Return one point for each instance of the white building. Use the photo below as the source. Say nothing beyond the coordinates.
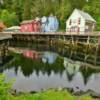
(80, 22)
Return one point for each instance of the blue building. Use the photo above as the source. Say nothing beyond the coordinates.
(50, 24)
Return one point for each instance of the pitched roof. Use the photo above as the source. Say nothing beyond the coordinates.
(85, 15)
(27, 21)
(14, 27)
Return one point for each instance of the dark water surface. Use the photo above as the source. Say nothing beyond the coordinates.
(52, 70)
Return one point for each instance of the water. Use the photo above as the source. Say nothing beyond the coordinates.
(52, 70)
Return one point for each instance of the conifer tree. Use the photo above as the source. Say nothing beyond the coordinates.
(93, 8)
(27, 10)
(79, 4)
(8, 4)
(17, 9)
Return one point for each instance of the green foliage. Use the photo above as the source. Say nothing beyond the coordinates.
(79, 4)
(16, 7)
(4, 88)
(7, 4)
(27, 10)
(8, 18)
(93, 7)
(64, 12)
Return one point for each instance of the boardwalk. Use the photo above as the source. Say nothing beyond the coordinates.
(86, 37)
(52, 33)
(5, 36)
(31, 36)
(85, 47)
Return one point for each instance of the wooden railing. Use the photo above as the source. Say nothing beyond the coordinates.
(59, 33)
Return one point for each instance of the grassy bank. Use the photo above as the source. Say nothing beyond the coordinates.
(51, 95)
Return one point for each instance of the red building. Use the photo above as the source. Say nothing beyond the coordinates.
(31, 26)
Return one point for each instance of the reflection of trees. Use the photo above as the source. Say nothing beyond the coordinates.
(28, 66)
(87, 72)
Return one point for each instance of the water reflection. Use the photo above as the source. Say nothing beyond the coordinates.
(51, 71)
(29, 66)
(71, 67)
(49, 57)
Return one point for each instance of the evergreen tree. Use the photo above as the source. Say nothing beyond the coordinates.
(26, 10)
(64, 12)
(8, 4)
(8, 18)
(79, 4)
(93, 8)
(17, 9)
(1, 4)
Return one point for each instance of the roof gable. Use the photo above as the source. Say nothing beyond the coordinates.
(85, 15)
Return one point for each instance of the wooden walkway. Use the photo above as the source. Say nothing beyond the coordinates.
(86, 46)
(30, 36)
(53, 33)
(5, 36)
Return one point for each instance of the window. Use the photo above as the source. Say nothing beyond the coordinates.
(79, 21)
(70, 22)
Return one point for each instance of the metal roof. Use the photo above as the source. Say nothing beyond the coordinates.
(14, 27)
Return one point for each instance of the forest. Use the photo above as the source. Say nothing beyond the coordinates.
(12, 12)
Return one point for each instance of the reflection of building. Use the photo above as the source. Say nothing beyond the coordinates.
(80, 22)
(49, 57)
(50, 24)
(71, 66)
(31, 54)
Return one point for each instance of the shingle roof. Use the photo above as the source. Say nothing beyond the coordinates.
(85, 15)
